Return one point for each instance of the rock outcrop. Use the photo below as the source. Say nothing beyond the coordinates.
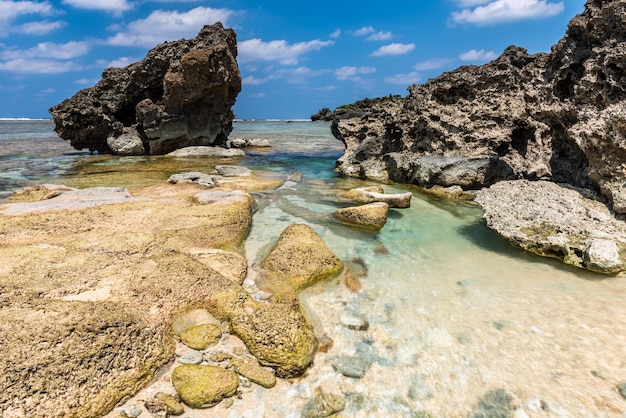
(324, 115)
(559, 117)
(181, 94)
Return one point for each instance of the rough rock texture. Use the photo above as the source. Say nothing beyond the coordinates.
(278, 335)
(369, 216)
(377, 194)
(181, 94)
(201, 337)
(324, 114)
(554, 221)
(299, 259)
(251, 369)
(559, 116)
(201, 386)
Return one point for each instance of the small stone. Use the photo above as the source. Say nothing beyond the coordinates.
(240, 351)
(228, 403)
(369, 216)
(495, 403)
(202, 386)
(349, 366)
(220, 356)
(191, 357)
(261, 295)
(163, 402)
(201, 337)
(133, 411)
(251, 369)
(621, 388)
(323, 405)
(233, 171)
(354, 322)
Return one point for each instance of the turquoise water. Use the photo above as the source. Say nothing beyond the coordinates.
(453, 310)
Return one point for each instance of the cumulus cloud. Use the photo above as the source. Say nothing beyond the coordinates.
(161, 26)
(478, 55)
(336, 33)
(45, 58)
(121, 62)
(352, 73)
(501, 11)
(39, 28)
(393, 49)
(365, 30)
(380, 36)
(432, 64)
(12, 10)
(404, 79)
(115, 6)
(279, 50)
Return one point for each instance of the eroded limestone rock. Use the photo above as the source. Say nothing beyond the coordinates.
(202, 386)
(370, 216)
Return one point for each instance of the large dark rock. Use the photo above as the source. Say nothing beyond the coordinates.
(181, 94)
(559, 116)
(324, 114)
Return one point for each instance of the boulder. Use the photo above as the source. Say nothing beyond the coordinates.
(233, 171)
(202, 386)
(369, 216)
(248, 143)
(558, 117)
(299, 259)
(181, 94)
(278, 335)
(324, 115)
(250, 368)
(554, 221)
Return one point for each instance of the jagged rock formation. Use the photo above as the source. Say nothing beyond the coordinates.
(559, 116)
(324, 114)
(181, 94)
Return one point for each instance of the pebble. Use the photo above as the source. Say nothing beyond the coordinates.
(133, 411)
(349, 366)
(354, 322)
(191, 357)
(261, 295)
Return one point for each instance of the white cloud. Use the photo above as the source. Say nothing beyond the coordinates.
(393, 49)
(336, 33)
(365, 30)
(115, 6)
(404, 79)
(39, 28)
(38, 66)
(10, 10)
(86, 81)
(478, 55)
(432, 64)
(380, 36)
(470, 3)
(500, 11)
(280, 50)
(255, 81)
(52, 50)
(352, 73)
(121, 62)
(161, 26)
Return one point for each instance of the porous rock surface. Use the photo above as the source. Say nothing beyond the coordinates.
(181, 94)
(554, 221)
(559, 116)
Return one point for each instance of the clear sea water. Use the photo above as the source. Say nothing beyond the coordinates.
(454, 311)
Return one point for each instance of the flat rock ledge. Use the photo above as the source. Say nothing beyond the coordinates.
(554, 220)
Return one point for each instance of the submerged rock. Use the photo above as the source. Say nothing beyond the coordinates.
(202, 386)
(495, 404)
(369, 216)
(554, 221)
(181, 94)
(372, 194)
(559, 117)
(323, 405)
(299, 259)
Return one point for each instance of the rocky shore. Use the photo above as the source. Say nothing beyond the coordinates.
(556, 117)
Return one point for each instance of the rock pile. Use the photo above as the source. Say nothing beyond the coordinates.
(181, 94)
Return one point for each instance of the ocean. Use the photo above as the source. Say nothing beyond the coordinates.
(454, 311)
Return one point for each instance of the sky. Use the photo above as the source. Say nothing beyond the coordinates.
(295, 57)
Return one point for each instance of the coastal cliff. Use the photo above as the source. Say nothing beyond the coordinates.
(559, 117)
(181, 94)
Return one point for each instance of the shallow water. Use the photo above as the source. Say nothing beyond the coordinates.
(453, 310)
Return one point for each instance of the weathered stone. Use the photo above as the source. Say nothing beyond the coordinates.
(299, 259)
(555, 221)
(251, 369)
(248, 143)
(223, 198)
(350, 366)
(206, 151)
(181, 94)
(373, 194)
(369, 216)
(324, 114)
(229, 264)
(278, 335)
(559, 117)
(450, 193)
(232, 171)
(165, 403)
(202, 179)
(201, 337)
(323, 405)
(39, 192)
(203, 386)
(495, 404)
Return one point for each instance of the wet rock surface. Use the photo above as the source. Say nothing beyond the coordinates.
(181, 94)
(557, 116)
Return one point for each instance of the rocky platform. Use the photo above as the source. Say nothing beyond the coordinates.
(181, 94)
(559, 117)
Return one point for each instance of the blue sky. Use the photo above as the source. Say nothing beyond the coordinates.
(295, 57)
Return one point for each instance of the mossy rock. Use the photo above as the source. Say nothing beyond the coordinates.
(299, 259)
(278, 335)
(252, 370)
(370, 216)
(201, 337)
(163, 402)
(202, 386)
